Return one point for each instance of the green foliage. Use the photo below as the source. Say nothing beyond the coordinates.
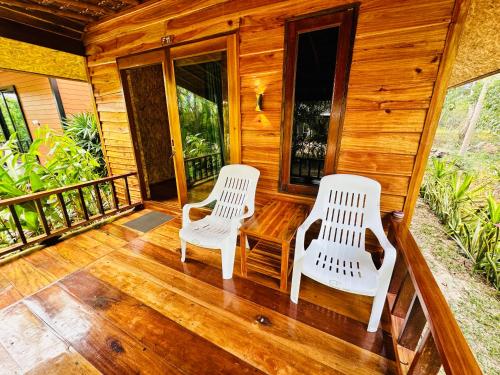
(22, 173)
(195, 146)
(470, 218)
(82, 128)
(460, 99)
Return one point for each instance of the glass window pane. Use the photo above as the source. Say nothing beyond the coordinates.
(203, 113)
(14, 118)
(314, 77)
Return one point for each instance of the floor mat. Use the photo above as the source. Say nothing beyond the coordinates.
(148, 221)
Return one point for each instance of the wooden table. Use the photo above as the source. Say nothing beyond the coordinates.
(274, 226)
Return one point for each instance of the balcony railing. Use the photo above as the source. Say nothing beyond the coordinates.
(307, 169)
(202, 168)
(73, 203)
(425, 332)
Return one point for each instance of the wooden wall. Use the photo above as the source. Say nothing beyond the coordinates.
(75, 95)
(397, 53)
(36, 98)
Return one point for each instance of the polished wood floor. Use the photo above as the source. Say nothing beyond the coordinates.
(116, 301)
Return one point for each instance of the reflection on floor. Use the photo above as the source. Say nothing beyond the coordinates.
(115, 300)
(199, 192)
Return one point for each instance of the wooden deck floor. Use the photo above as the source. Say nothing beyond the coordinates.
(115, 301)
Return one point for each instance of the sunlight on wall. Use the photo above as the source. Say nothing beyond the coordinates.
(27, 57)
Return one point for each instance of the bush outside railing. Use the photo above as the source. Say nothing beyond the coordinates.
(470, 218)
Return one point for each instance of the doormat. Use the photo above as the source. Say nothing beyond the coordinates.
(148, 221)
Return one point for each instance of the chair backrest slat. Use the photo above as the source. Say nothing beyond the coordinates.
(235, 191)
(347, 203)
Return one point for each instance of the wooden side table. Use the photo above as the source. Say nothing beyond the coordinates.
(274, 226)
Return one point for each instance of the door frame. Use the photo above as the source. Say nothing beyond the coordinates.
(166, 57)
(138, 61)
(228, 43)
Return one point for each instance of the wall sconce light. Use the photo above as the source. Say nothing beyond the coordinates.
(258, 104)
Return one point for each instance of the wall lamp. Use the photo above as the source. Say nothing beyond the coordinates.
(258, 103)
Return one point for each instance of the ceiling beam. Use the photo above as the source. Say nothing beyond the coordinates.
(85, 6)
(72, 24)
(39, 23)
(47, 9)
(23, 33)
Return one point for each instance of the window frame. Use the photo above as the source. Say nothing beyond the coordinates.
(12, 88)
(344, 18)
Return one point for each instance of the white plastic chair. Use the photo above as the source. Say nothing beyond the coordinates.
(234, 192)
(347, 205)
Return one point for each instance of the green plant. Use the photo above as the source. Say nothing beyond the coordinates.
(22, 173)
(469, 220)
(83, 129)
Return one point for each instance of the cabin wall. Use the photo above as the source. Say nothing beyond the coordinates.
(75, 96)
(397, 53)
(37, 100)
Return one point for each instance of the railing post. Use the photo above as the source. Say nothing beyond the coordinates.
(84, 207)
(413, 325)
(113, 193)
(400, 268)
(404, 297)
(127, 191)
(426, 360)
(67, 220)
(18, 224)
(99, 199)
(45, 224)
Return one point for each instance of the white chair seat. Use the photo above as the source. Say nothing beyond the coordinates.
(208, 232)
(341, 268)
(234, 197)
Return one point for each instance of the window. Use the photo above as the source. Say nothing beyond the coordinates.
(12, 119)
(318, 53)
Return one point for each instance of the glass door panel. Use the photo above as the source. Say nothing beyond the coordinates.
(202, 101)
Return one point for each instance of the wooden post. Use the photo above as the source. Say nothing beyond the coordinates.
(127, 191)
(18, 224)
(45, 224)
(113, 193)
(426, 360)
(67, 220)
(84, 207)
(413, 325)
(99, 199)
(404, 297)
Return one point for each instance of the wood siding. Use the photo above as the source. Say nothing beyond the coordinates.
(75, 95)
(36, 99)
(397, 52)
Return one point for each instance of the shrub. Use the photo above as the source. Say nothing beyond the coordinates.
(21, 173)
(471, 219)
(82, 128)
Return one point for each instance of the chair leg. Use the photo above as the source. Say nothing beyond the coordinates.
(377, 307)
(296, 277)
(227, 253)
(183, 250)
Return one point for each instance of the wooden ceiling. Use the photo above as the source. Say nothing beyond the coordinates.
(57, 24)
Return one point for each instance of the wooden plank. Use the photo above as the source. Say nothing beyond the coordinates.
(35, 348)
(313, 313)
(404, 297)
(8, 293)
(413, 326)
(378, 163)
(46, 262)
(206, 305)
(455, 353)
(426, 360)
(104, 345)
(178, 346)
(395, 143)
(25, 277)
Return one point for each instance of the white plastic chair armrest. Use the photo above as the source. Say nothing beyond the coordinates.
(389, 251)
(185, 210)
(301, 233)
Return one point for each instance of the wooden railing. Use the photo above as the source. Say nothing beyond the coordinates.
(201, 168)
(425, 332)
(77, 199)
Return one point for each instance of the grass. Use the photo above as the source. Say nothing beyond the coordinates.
(475, 304)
